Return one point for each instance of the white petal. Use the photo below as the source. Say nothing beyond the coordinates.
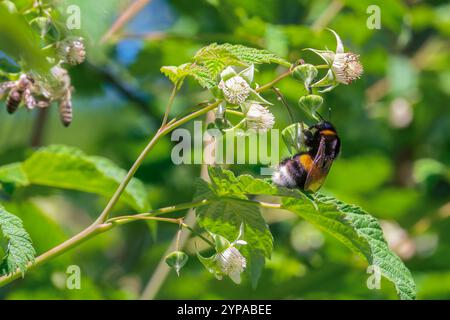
(236, 277)
(228, 73)
(248, 73)
(241, 231)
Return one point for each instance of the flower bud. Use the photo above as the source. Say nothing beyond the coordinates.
(9, 6)
(176, 260)
(41, 24)
(311, 103)
(305, 73)
(293, 137)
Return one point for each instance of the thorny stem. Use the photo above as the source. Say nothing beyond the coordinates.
(100, 225)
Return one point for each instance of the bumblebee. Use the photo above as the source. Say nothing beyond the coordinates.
(308, 170)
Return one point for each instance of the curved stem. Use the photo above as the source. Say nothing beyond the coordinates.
(154, 213)
(274, 81)
(161, 133)
(198, 234)
(169, 104)
(99, 226)
(236, 113)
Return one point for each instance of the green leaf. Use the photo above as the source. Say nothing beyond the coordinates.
(13, 173)
(224, 216)
(361, 233)
(69, 168)
(228, 54)
(211, 60)
(19, 251)
(199, 73)
(357, 229)
(176, 74)
(45, 231)
(20, 42)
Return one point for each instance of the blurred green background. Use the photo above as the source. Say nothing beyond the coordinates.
(393, 123)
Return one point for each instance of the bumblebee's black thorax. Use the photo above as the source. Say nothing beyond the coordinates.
(319, 131)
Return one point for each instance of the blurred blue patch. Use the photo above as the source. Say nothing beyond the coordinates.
(127, 50)
(157, 15)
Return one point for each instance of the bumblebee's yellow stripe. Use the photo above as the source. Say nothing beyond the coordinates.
(306, 161)
(328, 132)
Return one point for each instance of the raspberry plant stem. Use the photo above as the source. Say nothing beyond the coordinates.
(101, 225)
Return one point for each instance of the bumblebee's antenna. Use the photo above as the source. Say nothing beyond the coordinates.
(284, 102)
(320, 116)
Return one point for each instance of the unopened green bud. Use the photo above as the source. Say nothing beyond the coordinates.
(176, 260)
(220, 123)
(305, 73)
(9, 6)
(42, 25)
(311, 103)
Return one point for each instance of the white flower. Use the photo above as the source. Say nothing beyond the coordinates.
(231, 263)
(346, 67)
(228, 260)
(73, 51)
(259, 118)
(235, 90)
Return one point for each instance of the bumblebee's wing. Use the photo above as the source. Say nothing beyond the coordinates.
(319, 170)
